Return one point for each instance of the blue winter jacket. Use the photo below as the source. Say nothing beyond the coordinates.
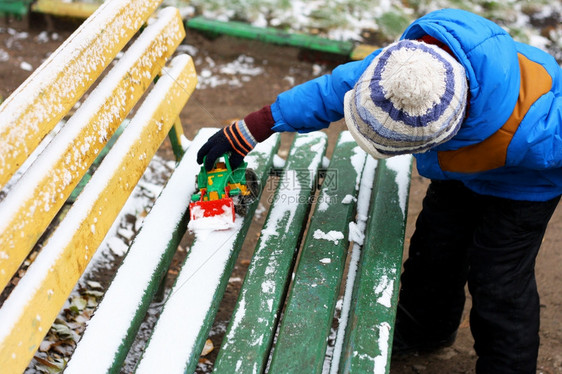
(510, 144)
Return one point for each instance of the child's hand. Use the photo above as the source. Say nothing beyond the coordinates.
(229, 140)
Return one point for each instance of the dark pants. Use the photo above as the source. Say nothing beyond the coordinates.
(491, 243)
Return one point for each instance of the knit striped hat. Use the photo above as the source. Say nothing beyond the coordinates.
(411, 98)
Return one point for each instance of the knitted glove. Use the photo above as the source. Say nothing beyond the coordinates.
(234, 140)
(237, 139)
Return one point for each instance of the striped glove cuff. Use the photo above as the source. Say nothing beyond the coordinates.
(240, 138)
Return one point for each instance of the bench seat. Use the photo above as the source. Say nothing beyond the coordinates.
(297, 275)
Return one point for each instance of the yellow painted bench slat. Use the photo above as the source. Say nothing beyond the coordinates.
(361, 51)
(39, 194)
(66, 9)
(42, 292)
(52, 90)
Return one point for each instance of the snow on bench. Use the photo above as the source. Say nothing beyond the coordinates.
(371, 313)
(189, 311)
(111, 330)
(308, 315)
(263, 331)
(251, 330)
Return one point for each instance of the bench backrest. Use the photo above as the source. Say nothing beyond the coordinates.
(75, 9)
(33, 111)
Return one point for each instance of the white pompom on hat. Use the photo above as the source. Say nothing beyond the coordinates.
(411, 98)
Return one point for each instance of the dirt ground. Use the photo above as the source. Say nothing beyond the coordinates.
(283, 67)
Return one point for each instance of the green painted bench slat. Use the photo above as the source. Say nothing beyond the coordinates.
(189, 311)
(18, 8)
(270, 35)
(368, 342)
(305, 327)
(250, 333)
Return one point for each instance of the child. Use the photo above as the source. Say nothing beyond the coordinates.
(482, 115)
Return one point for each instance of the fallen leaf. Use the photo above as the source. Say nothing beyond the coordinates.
(50, 366)
(33, 256)
(93, 285)
(94, 293)
(208, 348)
(64, 332)
(45, 346)
(78, 304)
(45, 362)
(63, 349)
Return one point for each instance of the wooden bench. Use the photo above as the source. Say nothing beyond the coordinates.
(332, 229)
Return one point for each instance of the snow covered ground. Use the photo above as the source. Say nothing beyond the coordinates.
(350, 19)
(356, 19)
(538, 23)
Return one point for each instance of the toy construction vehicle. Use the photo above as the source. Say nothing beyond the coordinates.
(223, 192)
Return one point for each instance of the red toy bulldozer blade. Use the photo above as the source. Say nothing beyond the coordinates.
(212, 208)
(210, 214)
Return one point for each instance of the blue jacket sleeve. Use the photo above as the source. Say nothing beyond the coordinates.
(313, 105)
